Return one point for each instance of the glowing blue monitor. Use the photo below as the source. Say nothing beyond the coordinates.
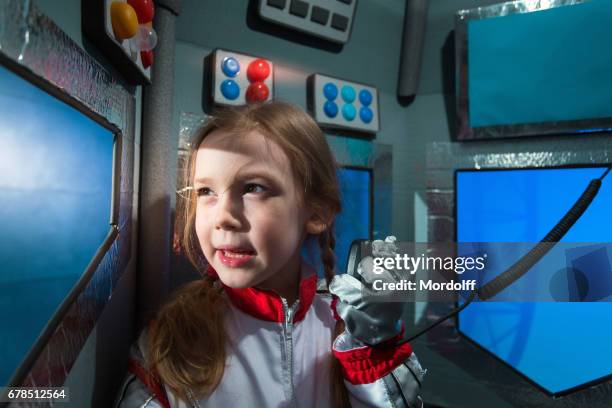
(354, 222)
(558, 346)
(56, 193)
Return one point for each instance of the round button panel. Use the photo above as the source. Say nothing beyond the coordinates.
(230, 66)
(230, 89)
(346, 104)
(242, 79)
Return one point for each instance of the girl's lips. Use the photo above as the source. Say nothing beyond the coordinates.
(234, 259)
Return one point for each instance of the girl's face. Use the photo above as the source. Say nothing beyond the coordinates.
(250, 218)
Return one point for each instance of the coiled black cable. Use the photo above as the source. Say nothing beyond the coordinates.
(528, 260)
(546, 244)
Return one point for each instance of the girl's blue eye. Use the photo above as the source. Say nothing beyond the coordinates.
(254, 188)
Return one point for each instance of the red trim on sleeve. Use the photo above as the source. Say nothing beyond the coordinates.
(393, 340)
(367, 364)
(149, 381)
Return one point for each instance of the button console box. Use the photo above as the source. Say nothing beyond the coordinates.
(238, 79)
(328, 19)
(339, 104)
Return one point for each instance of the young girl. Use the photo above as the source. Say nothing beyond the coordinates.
(256, 331)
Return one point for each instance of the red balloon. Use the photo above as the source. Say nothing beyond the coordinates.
(257, 92)
(258, 70)
(147, 58)
(145, 10)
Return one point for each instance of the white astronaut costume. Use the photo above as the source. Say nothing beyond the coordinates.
(280, 356)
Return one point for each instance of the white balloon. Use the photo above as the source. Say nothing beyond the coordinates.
(145, 39)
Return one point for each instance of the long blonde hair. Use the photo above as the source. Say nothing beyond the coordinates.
(186, 339)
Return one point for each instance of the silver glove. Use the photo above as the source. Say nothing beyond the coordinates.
(367, 320)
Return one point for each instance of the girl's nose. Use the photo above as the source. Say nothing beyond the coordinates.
(227, 216)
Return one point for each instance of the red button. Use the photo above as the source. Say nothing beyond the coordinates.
(257, 92)
(145, 10)
(146, 57)
(258, 70)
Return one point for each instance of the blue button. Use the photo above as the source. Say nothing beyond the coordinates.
(330, 108)
(365, 97)
(230, 89)
(349, 112)
(348, 93)
(230, 66)
(366, 114)
(330, 91)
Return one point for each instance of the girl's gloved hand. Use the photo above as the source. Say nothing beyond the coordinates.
(367, 319)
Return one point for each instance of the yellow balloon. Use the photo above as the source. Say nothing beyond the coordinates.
(123, 20)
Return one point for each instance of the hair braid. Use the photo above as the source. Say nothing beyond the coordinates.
(327, 242)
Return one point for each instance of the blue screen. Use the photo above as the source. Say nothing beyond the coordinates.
(559, 346)
(353, 222)
(56, 170)
(533, 67)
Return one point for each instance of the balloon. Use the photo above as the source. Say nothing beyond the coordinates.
(123, 20)
(145, 39)
(145, 10)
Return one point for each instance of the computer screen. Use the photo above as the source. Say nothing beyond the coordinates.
(355, 219)
(56, 193)
(559, 346)
(515, 63)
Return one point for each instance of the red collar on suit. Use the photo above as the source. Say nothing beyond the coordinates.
(266, 304)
